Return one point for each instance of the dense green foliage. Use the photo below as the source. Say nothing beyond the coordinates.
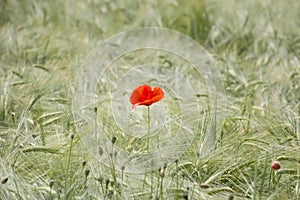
(256, 45)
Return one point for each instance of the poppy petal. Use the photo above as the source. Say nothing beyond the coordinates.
(145, 95)
(137, 95)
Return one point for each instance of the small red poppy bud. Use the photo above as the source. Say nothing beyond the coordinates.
(276, 165)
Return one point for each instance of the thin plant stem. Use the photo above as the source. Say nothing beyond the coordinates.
(270, 180)
(148, 148)
(161, 188)
(15, 182)
(69, 161)
(113, 158)
(264, 176)
(148, 135)
(42, 133)
(122, 175)
(255, 184)
(95, 124)
(51, 186)
(149, 129)
(113, 171)
(177, 183)
(144, 181)
(50, 193)
(158, 182)
(122, 182)
(193, 190)
(278, 179)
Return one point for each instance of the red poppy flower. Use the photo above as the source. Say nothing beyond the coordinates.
(276, 165)
(145, 95)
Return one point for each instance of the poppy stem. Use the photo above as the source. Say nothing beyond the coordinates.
(148, 144)
(149, 123)
(148, 147)
(148, 137)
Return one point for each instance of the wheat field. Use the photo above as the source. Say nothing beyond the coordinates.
(256, 48)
